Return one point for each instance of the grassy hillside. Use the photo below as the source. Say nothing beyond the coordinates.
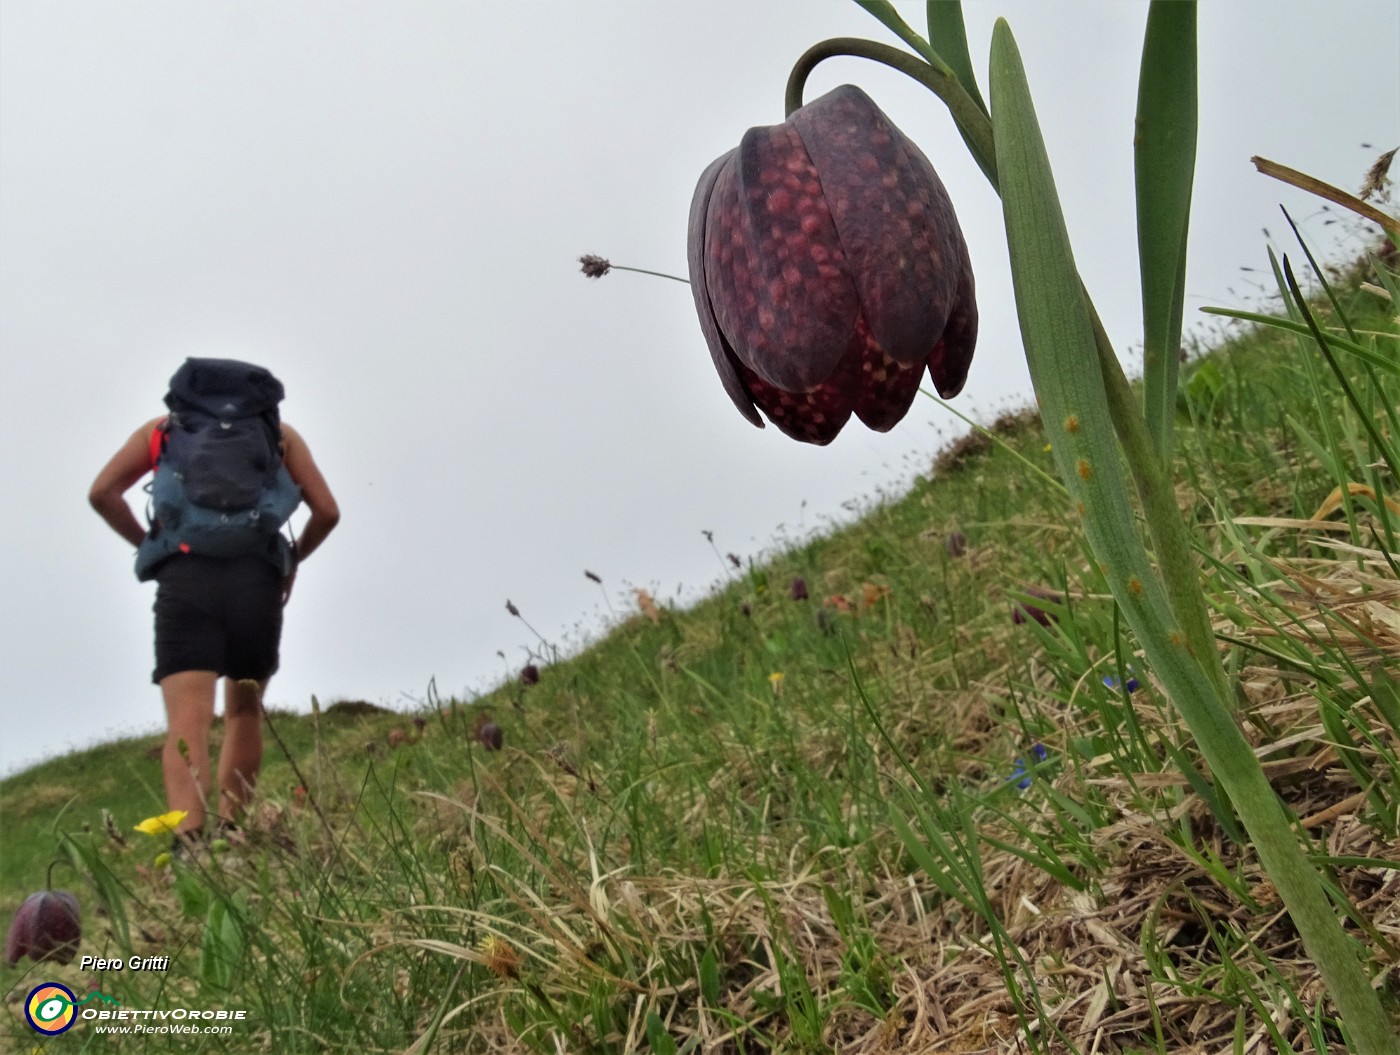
(850, 802)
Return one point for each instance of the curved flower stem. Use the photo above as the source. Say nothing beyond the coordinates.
(48, 874)
(971, 121)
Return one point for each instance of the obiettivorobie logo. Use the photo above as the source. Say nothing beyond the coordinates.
(51, 1008)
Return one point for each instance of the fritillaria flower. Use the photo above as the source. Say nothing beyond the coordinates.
(489, 736)
(829, 270)
(956, 544)
(48, 926)
(1023, 611)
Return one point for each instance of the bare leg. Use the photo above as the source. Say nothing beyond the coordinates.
(189, 711)
(241, 756)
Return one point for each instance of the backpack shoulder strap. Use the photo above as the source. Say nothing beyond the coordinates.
(157, 446)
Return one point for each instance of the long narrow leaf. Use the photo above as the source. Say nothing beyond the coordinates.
(948, 36)
(1374, 358)
(1362, 415)
(1057, 329)
(1165, 164)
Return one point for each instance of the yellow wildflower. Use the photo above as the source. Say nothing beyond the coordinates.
(163, 824)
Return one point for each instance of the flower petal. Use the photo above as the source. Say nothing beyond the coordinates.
(814, 416)
(900, 236)
(720, 352)
(887, 387)
(163, 824)
(777, 277)
(952, 355)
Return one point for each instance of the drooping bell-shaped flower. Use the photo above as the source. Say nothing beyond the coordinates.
(48, 926)
(828, 270)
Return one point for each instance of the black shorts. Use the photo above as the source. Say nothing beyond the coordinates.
(218, 613)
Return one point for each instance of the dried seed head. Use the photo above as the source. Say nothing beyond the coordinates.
(501, 958)
(594, 266)
(1378, 177)
(799, 589)
(512, 609)
(529, 674)
(955, 543)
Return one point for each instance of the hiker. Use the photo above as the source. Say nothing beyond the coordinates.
(228, 475)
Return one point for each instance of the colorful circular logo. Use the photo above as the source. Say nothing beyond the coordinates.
(49, 1008)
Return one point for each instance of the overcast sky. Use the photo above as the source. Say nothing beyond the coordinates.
(384, 203)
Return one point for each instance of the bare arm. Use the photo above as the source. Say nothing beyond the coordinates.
(325, 514)
(126, 467)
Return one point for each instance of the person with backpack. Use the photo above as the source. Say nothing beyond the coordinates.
(228, 474)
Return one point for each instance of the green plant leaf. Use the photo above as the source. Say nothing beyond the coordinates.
(1164, 150)
(1333, 340)
(885, 12)
(709, 977)
(660, 1041)
(1057, 328)
(947, 35)
(87, 860)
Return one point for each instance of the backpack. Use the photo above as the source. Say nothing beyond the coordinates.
(220, 487)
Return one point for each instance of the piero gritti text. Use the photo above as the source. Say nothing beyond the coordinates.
(134, 963)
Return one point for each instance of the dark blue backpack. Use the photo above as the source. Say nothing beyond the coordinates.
(220, 488)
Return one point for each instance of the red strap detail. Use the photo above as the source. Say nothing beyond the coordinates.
(184, 547)
(157, 446)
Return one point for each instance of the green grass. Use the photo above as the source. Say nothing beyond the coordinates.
(775, 825)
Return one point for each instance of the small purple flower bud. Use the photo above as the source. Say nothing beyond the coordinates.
(529, 674)
(799, 589)
(48, 926)
(490, 736)
(955, 543)
(829, 270)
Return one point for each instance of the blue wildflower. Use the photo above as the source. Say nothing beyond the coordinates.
(1111, 682)
(1021, 777)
